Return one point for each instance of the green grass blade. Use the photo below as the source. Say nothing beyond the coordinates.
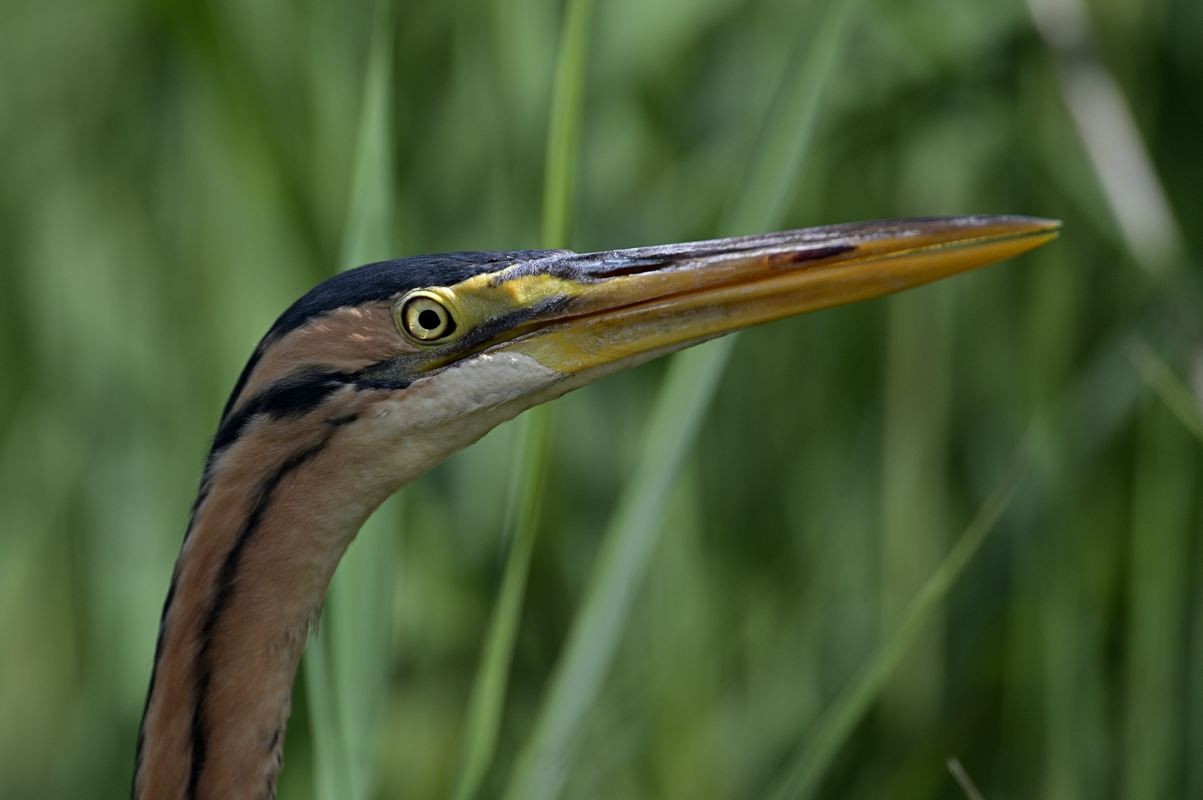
(532, 460)
(914, 531)
(330, 760)
(626, 550)
(1176, 395)
(688, 388)
(564, 126)
(346, 667)
(836, 723)
(1159, 600)
(760, 200)
(488, 691)
(1159, 583)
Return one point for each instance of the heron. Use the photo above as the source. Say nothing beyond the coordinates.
(380, 373)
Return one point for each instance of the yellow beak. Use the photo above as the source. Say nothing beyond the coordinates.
(612, 309)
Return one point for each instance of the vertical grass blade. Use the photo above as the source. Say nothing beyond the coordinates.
(346, 667)
(564, 125)
(331, 763)
(1159, 597)
(760, 199)
(680, 406)
(1193, 700)
(625, 552)
(531, 464)
(488, 690)
(811, 761)
(913, 534)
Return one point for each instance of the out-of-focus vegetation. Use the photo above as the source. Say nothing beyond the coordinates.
(176, 172)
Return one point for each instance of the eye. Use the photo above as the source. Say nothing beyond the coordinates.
(425, 319)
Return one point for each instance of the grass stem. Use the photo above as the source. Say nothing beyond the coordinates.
(483, 721)
(839, 719)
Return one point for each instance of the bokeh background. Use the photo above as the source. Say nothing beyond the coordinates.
(176, 172)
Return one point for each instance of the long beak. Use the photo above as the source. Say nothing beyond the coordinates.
(620, 307)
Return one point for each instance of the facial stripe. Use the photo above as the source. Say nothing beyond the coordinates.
(295, 396)
(243, 377)
(490, 328)
(289, 397)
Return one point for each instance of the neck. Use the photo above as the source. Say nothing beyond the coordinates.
(293, 476)
(271, 522)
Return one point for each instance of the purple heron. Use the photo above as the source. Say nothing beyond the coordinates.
(380, 373)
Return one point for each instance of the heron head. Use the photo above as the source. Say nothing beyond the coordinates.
(411, 360)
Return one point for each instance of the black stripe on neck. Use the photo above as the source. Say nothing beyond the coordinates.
(292, 397)
(221, 601)
(201, 495)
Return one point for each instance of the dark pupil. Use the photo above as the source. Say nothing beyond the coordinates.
(429, 319)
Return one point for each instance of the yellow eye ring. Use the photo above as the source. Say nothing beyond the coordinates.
(423, 317)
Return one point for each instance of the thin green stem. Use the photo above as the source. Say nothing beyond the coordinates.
(346, 670)
(679, 409)
(564, 124)
(488, 691)
(1176, 395)
(485, 707)
(835, 725)
(626, 551)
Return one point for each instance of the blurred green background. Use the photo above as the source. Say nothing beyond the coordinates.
(175, 173)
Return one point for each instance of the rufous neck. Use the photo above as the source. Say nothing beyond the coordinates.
(269, 528)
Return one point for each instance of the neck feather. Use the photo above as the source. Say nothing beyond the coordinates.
(273, 518)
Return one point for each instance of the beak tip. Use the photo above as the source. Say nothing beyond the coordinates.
(1043, 224)
(1029, 232)
(1029, 226)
